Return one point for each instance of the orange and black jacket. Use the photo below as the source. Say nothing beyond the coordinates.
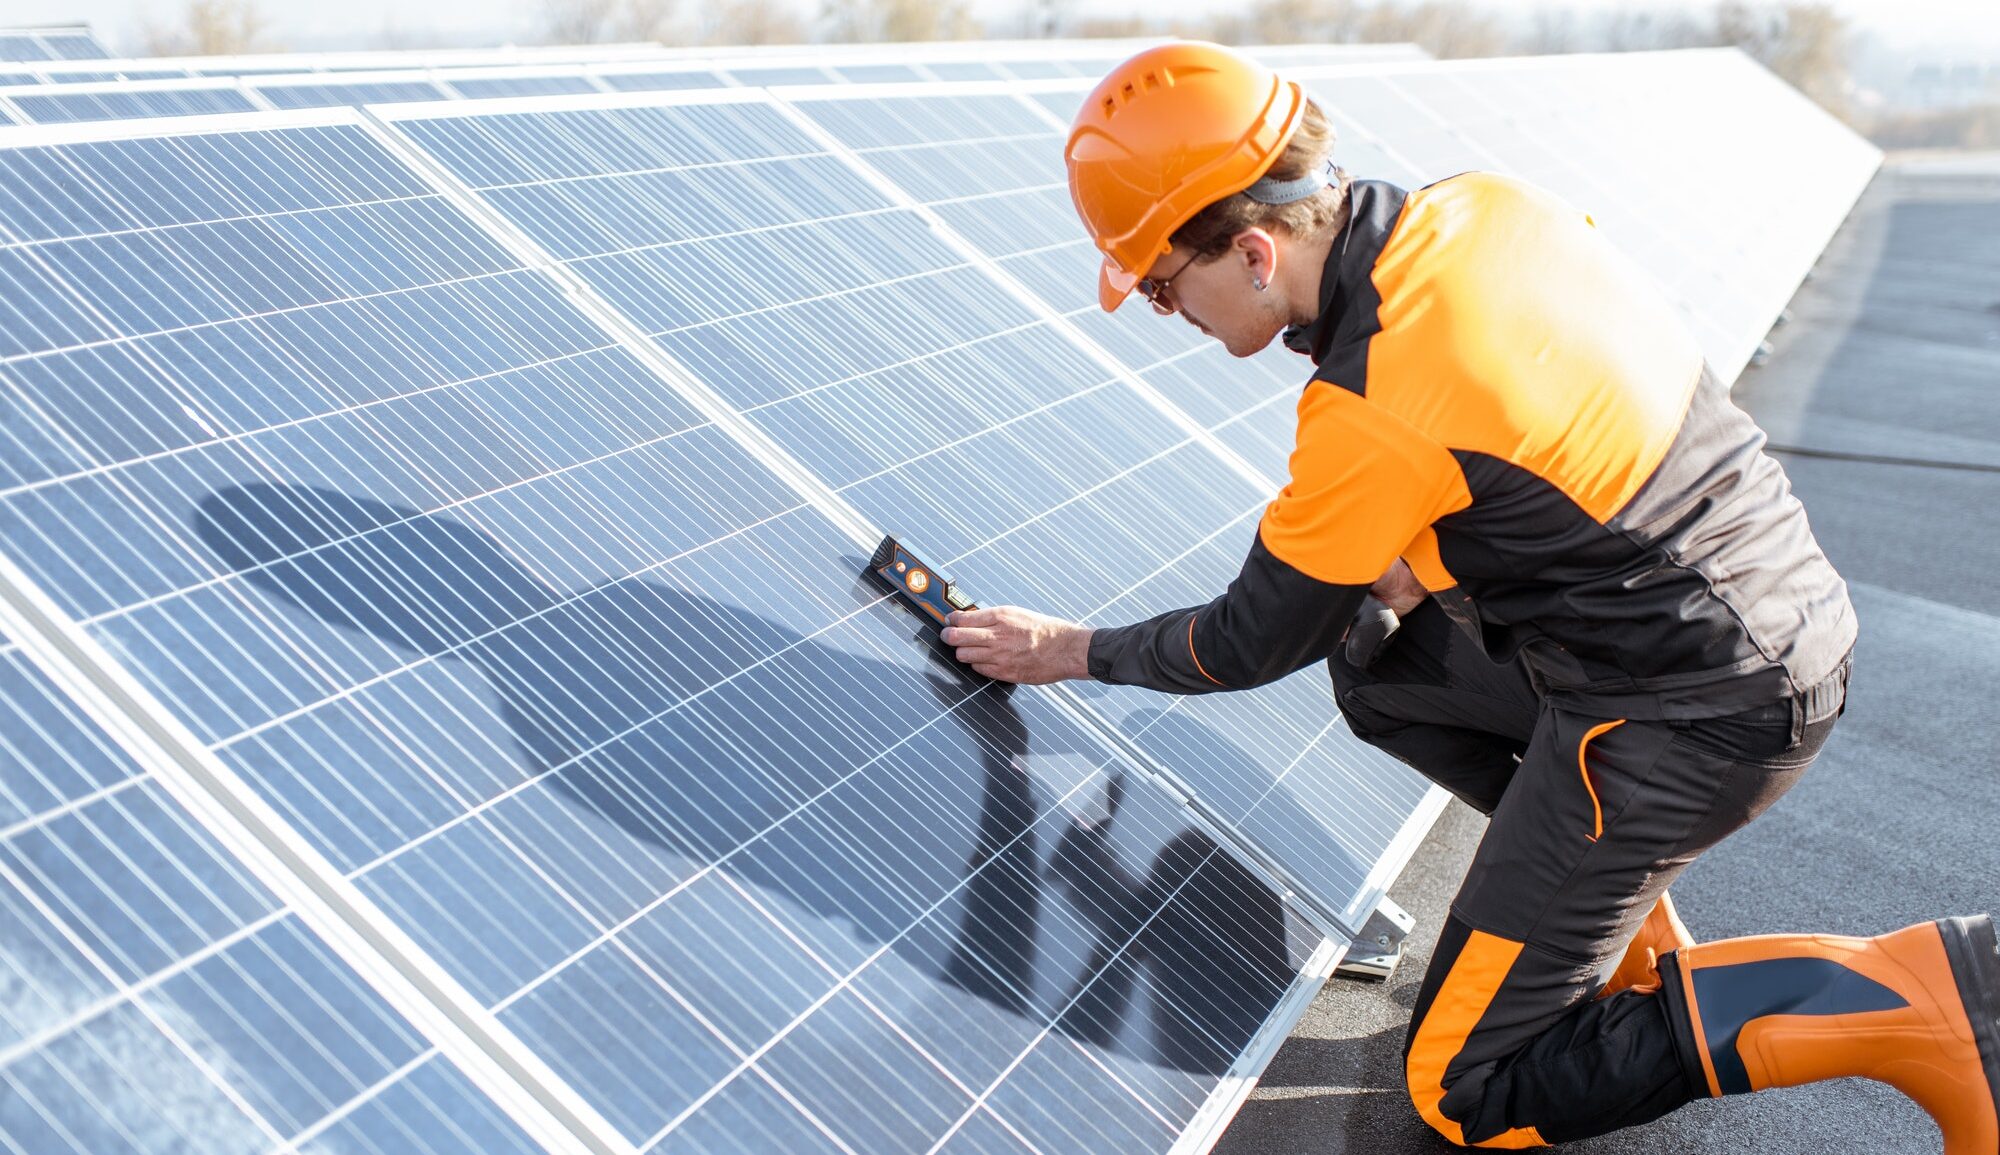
(1508, 404)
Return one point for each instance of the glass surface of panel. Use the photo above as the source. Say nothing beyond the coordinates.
(475, 88)
(22, 46)
(56, 106)
(335, 93)
(567, 683)
(161, 999)
(73, 46)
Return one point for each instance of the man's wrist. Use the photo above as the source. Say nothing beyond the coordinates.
(1080, 655)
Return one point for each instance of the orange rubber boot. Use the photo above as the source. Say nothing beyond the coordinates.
(1662, 933)
(1918, 1009)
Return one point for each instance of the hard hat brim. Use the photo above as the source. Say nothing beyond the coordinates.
(1114, 284)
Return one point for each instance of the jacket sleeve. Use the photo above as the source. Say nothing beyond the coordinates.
(1364, 484)
(1271, 621)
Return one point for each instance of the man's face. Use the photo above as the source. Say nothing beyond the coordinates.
(1219, 296)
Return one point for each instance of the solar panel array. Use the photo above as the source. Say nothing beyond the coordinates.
(448, 712)
(61, 97)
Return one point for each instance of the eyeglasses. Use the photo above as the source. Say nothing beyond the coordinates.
(1154, 289)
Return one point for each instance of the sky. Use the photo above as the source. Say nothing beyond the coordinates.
(1956, 27)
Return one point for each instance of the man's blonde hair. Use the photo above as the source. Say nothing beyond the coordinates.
(1210, 231)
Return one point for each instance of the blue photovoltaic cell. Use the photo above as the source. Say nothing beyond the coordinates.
(160, 999)
(1277, 762)
(652, 81)
(589, 703)
(73, 46)
(57, 106)
(11, 79)
(335, 92)
(964, 70)
(477, 88)
(22, 46)
(768, 77)
(121, 74)
(876, 73)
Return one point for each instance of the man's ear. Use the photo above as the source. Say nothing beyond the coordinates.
(1259, 249)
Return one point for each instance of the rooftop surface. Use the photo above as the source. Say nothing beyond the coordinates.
(1885, 388)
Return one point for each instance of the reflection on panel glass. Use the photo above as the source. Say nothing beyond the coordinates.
(159, 999)
(571, 686)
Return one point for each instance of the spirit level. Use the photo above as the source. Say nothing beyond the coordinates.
(930, 593)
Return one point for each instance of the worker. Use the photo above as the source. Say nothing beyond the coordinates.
(1616, 635)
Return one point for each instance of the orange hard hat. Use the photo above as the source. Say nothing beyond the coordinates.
(1166, 134)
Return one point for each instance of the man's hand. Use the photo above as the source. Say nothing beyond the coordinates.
(1399, 589)
(1010, 644)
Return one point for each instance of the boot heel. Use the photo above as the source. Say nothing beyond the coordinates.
(1971, 946)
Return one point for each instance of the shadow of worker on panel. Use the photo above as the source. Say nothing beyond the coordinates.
(604, 692)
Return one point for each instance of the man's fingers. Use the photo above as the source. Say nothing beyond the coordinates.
(966, 636)
(973, 655)
(983, 616)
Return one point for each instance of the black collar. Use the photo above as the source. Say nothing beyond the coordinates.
(1373, 208)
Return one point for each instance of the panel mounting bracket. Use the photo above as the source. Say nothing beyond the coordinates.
(1378, 946)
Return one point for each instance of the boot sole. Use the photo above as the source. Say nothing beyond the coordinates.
(1970, 945)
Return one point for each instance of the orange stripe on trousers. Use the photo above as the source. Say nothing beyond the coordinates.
(1475, 977)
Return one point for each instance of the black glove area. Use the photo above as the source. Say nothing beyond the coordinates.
(1374, 625)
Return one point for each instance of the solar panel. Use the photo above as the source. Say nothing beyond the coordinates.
(160, 997)
(54, 43)
(552, 672)
(333, 90)
(483, 87)
(66, 104)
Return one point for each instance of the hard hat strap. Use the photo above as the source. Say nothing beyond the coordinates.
(1283, 192)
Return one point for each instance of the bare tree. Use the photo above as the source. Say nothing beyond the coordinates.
(1644, 29)
(600, 21)
(1445, 28)
(647, 20)
(209, 28)
(576, 21)
(751, 22)
(1809, 45)
(1552, 30)
(898, 21)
